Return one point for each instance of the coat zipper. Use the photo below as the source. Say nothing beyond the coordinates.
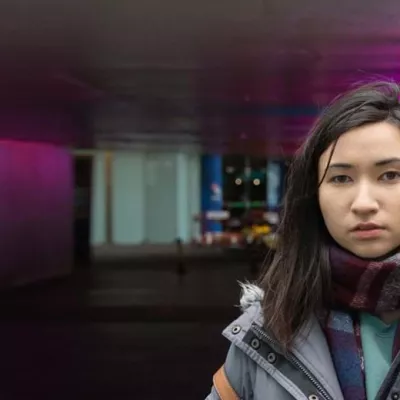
(391, 379)
(294, 360)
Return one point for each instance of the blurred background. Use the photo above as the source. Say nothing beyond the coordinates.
(144, 147)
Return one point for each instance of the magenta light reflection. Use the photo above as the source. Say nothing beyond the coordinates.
(36, 211)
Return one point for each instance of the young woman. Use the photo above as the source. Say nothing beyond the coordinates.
(323, 321)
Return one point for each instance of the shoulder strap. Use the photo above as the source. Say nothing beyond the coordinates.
(223, 387)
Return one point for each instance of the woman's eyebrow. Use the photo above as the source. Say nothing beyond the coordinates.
(379, 163)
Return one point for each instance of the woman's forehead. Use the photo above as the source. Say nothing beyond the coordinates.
(366, 144)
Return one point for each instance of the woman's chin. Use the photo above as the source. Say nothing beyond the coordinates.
(371, 250)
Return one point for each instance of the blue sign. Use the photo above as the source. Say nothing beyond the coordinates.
(211, 189)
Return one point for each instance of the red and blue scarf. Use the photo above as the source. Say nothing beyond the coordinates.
(358, 285)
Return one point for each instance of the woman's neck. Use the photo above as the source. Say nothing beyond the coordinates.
(390, 316)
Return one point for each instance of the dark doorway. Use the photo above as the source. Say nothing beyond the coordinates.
(82, 210)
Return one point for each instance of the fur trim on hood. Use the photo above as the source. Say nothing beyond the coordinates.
(250, 295)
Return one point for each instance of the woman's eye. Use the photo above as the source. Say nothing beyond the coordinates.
(390, 176)
(340, 179)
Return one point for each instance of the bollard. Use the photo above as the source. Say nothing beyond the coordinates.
(180, 267)
(253, 260)
(257, 251)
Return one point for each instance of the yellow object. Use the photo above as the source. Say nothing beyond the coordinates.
(260, 230)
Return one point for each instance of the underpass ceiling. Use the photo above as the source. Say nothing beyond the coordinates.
(227, 75)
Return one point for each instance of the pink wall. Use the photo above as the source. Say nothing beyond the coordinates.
(36, 211)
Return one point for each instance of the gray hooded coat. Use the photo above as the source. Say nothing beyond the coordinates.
(257, 370)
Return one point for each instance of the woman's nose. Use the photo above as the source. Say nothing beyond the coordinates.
(364, 201)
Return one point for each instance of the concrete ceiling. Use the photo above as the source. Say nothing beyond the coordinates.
(237, 75)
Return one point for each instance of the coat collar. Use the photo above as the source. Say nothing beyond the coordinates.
(310, 346)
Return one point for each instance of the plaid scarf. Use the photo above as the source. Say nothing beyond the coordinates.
(358, 285)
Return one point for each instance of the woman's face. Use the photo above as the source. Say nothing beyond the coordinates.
(360, 194)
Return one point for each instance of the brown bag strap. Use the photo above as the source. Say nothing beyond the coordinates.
(223, 387)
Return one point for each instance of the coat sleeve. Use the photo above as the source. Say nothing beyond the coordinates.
(237, 372)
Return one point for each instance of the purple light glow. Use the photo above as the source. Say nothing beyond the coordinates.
(36, 210)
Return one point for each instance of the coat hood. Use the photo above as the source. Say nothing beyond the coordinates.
(251, 294)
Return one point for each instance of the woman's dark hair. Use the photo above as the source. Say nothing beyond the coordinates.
(297, 283)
